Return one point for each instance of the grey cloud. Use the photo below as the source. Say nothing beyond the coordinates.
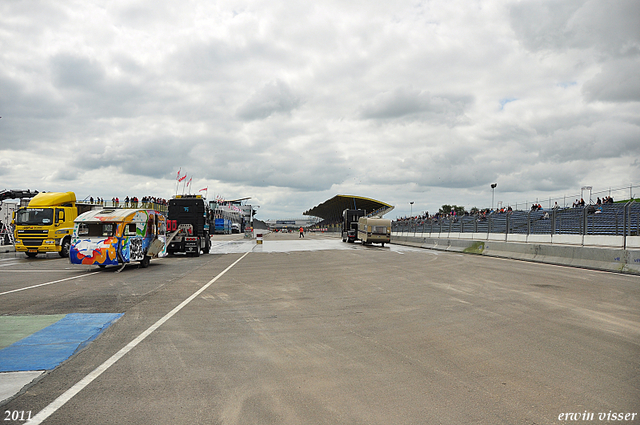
(17, 100)
(410, 103)
(5, 167)
(610, 27)
(72, 71)
(274, 98)
(598, 141)
(85, 83)
(151, 157)
(313, 167)
(618, 82)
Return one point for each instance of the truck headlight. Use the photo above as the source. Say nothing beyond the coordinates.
(49, 241)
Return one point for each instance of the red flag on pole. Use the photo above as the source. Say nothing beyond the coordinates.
(189, 181)
(206, 188)
(182, 178)
(178, 177)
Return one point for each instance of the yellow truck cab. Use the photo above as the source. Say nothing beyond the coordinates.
(46, 224)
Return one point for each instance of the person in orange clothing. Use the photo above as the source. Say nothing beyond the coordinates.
(301, 232)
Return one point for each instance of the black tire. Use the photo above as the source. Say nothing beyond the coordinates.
(207, 245)
(64, 250)
(197, 253)
(31, 254)
(102, 266)
(145, 262)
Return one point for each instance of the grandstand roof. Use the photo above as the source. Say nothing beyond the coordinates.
(332, 209)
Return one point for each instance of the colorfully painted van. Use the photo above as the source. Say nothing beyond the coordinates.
(115, 237)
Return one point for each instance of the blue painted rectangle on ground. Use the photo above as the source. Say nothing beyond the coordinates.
(47, 348)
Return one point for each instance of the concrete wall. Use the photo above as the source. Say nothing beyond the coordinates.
(601, 258)
(586, 240)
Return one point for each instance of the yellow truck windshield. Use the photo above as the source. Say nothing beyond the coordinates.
(34, 217)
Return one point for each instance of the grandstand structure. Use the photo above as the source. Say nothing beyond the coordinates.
(330, 211)
(291, 223)
(619, 219)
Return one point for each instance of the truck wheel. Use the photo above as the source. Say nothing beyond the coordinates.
(197, 253)
(145, 262)
(31, 254)
(207, 245)
(66, 245)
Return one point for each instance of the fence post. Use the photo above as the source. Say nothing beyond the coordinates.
(506, 229)
(627, 222)
(529, 223)
(584, 223)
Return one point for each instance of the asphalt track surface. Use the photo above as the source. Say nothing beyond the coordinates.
(317, 331)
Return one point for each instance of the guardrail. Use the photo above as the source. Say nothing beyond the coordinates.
(621, 220)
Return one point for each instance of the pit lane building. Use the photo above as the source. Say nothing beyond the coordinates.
(330, 211)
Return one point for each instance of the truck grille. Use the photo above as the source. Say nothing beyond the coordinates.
(23, 233)
(32, 242)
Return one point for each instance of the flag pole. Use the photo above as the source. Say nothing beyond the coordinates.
(178, 180)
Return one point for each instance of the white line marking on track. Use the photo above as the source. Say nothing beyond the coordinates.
(10, 264)
(39, 271)
(47, 283)
(71, 392)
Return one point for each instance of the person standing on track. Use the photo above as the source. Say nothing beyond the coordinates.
(301, 232)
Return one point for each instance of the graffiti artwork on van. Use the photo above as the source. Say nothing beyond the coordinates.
(88, 251)
(105, 237)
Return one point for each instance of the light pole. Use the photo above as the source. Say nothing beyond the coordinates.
(583, 188)
(251, 215)
(493, 191)
(411, 214)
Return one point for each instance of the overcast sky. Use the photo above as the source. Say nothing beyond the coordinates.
(293, 102)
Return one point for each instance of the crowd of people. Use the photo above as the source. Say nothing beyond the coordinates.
(482, 214)
(129, 201)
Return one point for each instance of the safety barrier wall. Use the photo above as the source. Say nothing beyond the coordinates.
(592, 257)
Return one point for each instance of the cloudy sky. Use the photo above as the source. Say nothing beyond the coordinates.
(294, 102)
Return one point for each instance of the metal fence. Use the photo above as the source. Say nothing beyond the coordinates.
(607, 219)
